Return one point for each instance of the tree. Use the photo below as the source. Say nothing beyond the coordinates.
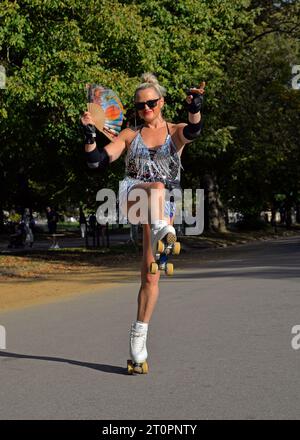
(50, 49)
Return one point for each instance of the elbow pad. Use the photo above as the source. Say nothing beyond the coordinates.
(97, 159)
(192, 131)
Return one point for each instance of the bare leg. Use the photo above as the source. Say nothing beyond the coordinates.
(149, 290)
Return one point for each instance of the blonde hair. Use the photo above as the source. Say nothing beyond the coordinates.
(149, 80)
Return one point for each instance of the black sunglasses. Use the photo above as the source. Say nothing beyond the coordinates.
(151, 104)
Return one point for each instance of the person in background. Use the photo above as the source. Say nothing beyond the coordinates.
(52, 218)
(82, 222)
(28, 224)
(92, 227)
(17, 238)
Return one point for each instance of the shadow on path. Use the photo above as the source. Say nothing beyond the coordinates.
(271, 260)
(266, 273)
(99, 367)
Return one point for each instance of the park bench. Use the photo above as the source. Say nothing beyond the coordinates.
(54, 238)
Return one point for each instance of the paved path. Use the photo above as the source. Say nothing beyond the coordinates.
(68, 242)
(219, 344)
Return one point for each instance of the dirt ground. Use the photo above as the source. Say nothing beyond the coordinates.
(43, 277)
(40, 277)
(22, 293)
(29, 280)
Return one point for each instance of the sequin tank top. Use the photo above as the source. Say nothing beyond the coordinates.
(152, 164)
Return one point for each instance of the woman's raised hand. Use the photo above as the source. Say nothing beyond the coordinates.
(88, 128)
(87, 119)
(197, 90)
(195, 98)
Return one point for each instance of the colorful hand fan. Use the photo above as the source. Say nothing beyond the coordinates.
(106, 110)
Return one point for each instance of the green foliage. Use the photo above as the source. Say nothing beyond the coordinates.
(52, 48)
(264, 158)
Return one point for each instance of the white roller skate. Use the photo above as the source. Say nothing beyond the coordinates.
(163, 241)
(137, 349)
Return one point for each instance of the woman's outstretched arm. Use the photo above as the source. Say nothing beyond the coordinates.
(101, 158)
(189, 132)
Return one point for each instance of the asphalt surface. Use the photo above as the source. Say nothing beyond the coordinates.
(63, 241)
(219, 346)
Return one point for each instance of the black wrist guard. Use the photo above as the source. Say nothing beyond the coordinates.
(89, 132)
(196, 105)
(97, 159)
(192, 131)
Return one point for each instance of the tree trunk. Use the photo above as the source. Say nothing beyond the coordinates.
(273, 218)
(214, 218)
(2, 196)
(288, 210)
(298, 213)
(1, 219)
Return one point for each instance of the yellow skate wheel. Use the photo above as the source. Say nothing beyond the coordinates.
(129, 366)
(169, 269)
(140, 368)
(145, 368)
(176, 248)
(160, 246)
(153, 268)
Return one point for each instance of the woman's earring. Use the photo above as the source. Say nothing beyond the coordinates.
(135, 119)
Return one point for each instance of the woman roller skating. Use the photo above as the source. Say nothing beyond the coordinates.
(153, 152)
